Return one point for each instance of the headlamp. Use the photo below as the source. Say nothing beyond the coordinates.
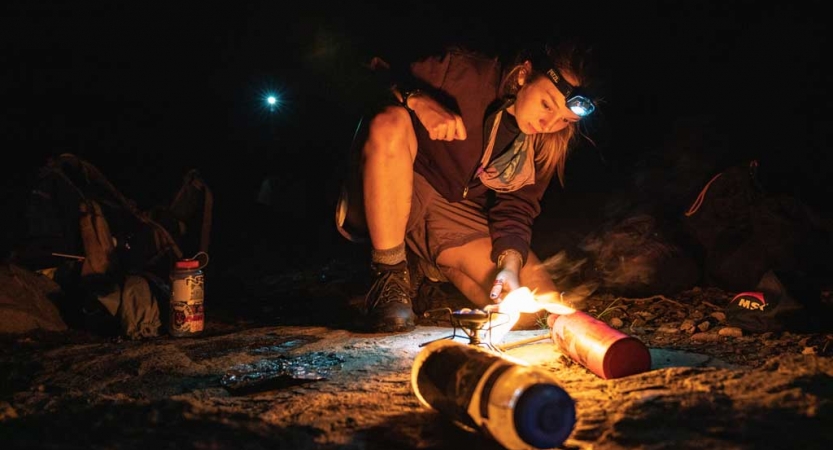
(580, 104)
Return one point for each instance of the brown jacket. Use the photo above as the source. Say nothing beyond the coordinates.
(468, 83)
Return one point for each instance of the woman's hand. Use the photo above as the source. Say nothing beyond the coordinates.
(507, 279)
(441, 123)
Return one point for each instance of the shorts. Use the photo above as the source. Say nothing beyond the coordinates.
(435, 225)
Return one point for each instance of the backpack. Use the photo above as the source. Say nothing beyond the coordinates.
(105, 247)
(772, 250)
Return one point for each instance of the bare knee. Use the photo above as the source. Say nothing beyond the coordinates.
(473, 289)
(390, 134)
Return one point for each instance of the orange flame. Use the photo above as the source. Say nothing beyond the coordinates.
(523, 300)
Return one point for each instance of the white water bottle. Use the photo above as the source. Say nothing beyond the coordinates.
(187, 313)
(518, 405)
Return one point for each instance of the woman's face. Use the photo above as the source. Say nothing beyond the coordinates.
(539, 106)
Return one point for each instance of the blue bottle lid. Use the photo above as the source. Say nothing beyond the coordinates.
(544, 415)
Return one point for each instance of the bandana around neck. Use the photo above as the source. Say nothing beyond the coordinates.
(513, 169)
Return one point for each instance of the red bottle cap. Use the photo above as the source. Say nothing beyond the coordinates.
(187, 264)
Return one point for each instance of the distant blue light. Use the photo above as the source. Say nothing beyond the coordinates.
(270, 100)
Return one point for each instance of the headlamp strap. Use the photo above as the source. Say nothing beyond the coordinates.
(560, 83)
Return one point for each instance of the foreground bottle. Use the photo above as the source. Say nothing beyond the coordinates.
(518, 405)
(606, 351)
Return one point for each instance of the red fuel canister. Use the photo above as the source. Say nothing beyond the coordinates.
(605, 351)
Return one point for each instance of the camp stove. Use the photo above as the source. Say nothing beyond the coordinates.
(475, 325)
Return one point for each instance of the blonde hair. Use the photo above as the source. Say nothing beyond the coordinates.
(552, 148)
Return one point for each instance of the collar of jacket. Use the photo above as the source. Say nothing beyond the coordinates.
(498, 105)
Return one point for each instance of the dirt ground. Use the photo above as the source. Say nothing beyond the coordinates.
(280, 367)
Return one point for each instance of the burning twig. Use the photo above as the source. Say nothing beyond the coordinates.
(521, 342)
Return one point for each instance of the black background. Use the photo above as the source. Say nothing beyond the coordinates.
(147, 90)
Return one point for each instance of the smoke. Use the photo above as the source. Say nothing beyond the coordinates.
(568, 274)
(632, 256)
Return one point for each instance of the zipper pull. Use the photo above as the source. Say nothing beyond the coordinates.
(480, 169)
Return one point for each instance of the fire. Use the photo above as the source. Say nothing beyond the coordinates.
(522, 300)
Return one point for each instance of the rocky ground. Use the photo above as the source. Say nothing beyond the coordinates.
(282, 365)
(279, 366)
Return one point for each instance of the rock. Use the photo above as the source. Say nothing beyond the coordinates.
(730, 331)
(705, 337)
(668, 329)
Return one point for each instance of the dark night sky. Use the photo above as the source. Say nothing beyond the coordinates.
(147, 90)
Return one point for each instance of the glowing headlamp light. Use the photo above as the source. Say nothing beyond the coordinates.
(580, 104)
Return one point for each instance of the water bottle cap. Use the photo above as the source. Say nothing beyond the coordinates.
(544, 416)
(187, 264)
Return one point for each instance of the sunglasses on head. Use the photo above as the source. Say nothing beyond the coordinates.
(579, 103)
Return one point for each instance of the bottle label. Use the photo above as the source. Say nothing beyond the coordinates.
(187, 293)
(448, 380)
(187, 317)
(188, 288)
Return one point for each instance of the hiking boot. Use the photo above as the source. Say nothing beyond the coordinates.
(389, 301)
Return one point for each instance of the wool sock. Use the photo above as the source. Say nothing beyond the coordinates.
(389, 256)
